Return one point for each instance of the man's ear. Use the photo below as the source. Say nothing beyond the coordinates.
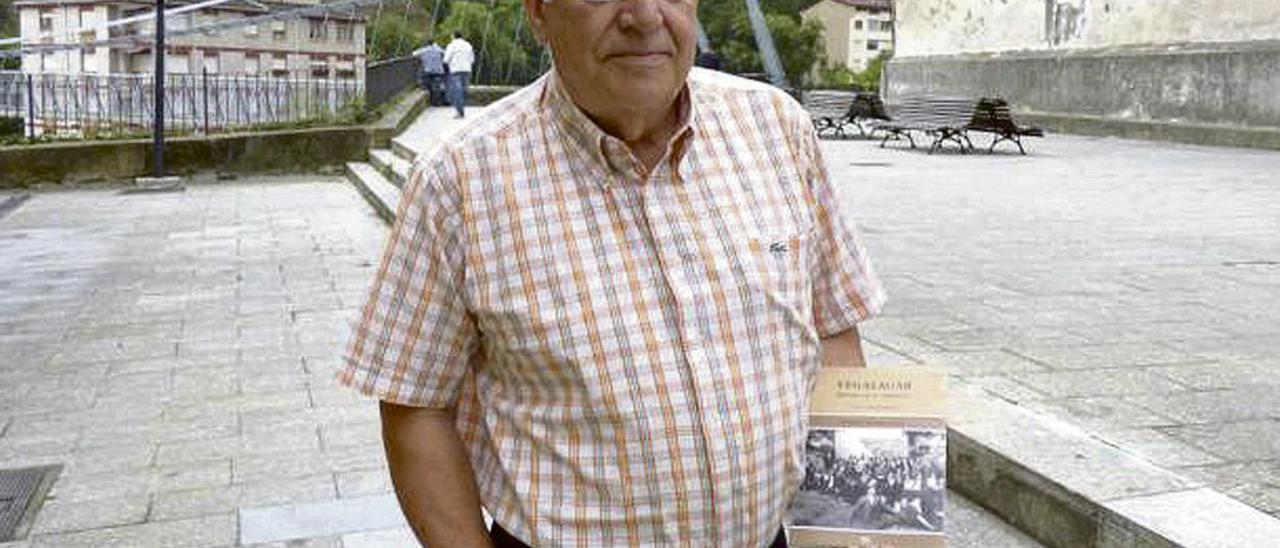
(533, 10)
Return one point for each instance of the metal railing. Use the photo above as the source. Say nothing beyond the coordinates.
(392, 76)
(387, 78)
(118, 105)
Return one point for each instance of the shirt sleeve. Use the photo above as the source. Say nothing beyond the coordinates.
(414, 340)
(846, 289)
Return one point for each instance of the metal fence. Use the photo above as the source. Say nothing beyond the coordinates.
(89, 106)
(392, 76)
(387, 78)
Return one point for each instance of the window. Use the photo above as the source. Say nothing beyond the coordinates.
(886, 26)
(251, 31)
(319, 67)
(345, 68)
(278, 31)
(212, 63)
(86, 61)
(319, 30)
(346, 31)
(251, 65)
(857, 25)
(46, 20)
(279, 64)
(873, 45)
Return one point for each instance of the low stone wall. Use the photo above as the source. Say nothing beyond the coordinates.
(1227, 85)
(321, 150)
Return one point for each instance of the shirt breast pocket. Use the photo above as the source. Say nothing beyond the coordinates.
(778, 266)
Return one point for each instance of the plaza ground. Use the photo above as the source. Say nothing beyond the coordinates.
(1125, 287)
(175, 351)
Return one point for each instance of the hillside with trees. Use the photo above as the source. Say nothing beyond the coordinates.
(507, 52)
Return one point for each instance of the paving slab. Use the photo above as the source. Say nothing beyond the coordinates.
(175, 352)
(433, 126)
(1140, 277)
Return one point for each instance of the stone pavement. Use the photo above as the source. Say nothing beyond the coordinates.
(1126, 287)
(433, 124)
(175, 352)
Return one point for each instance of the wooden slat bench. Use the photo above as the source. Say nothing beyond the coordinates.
(829, 110)
(834, 112)
(992, 116)
(943, 119)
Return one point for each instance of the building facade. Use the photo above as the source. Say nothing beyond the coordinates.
(855, 31)
(1189, 62)
(323, 47)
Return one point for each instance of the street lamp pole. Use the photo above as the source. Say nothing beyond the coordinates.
(764, 42)
(157, 128)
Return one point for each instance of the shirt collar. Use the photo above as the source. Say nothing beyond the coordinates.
(610, 152)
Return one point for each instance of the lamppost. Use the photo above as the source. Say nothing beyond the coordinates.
(764, 41)
(157, 123)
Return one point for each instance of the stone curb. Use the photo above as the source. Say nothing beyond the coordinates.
(1068, 489)
(1265, 138)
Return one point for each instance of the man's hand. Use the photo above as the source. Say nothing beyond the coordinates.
(433, 477)
(843, 350)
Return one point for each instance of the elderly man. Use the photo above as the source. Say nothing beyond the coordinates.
(601, 308)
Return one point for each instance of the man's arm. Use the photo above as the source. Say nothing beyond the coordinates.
(432, 476)
(843, 350)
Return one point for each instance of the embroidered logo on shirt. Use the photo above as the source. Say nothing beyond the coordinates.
(778, 248)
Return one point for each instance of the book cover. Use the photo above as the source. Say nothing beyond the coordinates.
(875, 460)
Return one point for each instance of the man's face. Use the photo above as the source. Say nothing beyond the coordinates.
(619, 52)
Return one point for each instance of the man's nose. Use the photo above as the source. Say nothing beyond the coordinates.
(640, 15)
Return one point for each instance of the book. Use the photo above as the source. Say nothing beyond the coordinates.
(875, 460)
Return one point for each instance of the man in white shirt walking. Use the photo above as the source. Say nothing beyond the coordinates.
(459, 56)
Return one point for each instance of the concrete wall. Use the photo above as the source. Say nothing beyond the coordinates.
(835, 18)
(1194, 62)
(323, 150)
(984, 26)
(1232, 84)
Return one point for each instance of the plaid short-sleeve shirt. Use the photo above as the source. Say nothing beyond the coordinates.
(630, 353)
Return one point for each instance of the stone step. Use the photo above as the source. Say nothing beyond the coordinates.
(394, 168)
(380, 193)
(1066, 488)
(403, 150)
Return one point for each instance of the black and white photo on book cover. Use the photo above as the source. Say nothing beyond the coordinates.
(873, 479)
(875, 460)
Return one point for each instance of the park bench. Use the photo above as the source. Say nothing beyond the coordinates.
(829, 111)
(943, 119)
(833, 112)
(992, 116)
(867, 109)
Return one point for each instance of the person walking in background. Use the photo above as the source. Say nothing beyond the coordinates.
(459, 56)
(433, 72)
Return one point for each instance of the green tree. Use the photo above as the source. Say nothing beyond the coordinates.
(8, 19)
(839, 77)
(389, 36)
(506, 51)
(799, 43)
